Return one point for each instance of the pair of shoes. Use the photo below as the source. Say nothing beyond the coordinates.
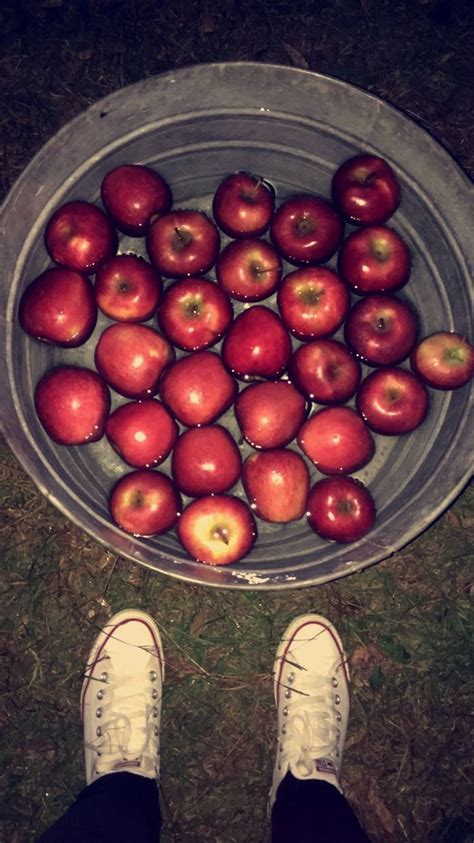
(123, 685)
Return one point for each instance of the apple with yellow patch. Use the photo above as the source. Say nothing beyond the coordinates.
(217, 529)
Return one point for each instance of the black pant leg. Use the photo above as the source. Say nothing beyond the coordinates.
(313, 811)
(116, 808)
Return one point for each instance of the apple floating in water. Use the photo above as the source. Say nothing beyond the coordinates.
(276, 483)
(325, 371)
(257, 345)
(59, 307)
(198, 389)
(217, 529)
(142, 432)
(340, 509)
(127, 289)
(270, 414)
(145, 503)
(313, 302)
(182, 243)
(366, 190)
(336, 440)
(72, 404)
(131, 359)
(381, 330)
(243, 205)
(132, 194)
(444, 360)
(205, 461)
(194, 313)
(306, 229)
(80, 236)
(249, 270)
(374, 260)
(392, 401)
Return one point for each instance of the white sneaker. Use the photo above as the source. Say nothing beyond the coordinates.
(121, 698)
(311, 687)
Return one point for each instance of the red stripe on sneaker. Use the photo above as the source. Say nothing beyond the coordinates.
(282, 661)
(100, 649)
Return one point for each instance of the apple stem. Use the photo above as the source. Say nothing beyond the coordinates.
(222, 534)
(251, 194)
(258, 272)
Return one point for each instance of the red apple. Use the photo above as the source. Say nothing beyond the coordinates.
(257, 345)
(392, 401)
(276, 483)
(249, 269)
(59, 307)
(270, 414)
(374, 260)
(142, 432)
(366, 190)
(194, 313)
(340, 509)
(325, 371)
(80, 236)
(72, 404)
(145, 503)
(444, 360)
(313, 302)
(198, 388)
(132, 194)
(243, 205)
(336, 440)
(306, 229)
(131, 359)
(217, 529)
(183, 242)
(205, 461)
(127, 289)
(381, 330)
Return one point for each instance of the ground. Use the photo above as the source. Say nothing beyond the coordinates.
(406, 622)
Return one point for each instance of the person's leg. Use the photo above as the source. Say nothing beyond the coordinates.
(121, 708)
(310, 811)
(311, 687)
(116, 807)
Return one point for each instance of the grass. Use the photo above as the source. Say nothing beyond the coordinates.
(406, 624)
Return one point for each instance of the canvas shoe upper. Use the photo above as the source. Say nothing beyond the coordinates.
(311, 688)
(121, 698)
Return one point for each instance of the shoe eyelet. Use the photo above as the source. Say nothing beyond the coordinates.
(157, 731)
(280, 748)
(337, 699)
(285, 711)
(288, 693)
(100, 694)
(283, 730)
(290, 678)
(153, 676)
(98, 732)
(338, 716)
(154, 694)
(103, 676)
(98, 712)
(279, 765)
(155, 712)
(334, 682)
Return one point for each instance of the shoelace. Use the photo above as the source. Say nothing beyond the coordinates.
(126, 715)
(311, 728)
